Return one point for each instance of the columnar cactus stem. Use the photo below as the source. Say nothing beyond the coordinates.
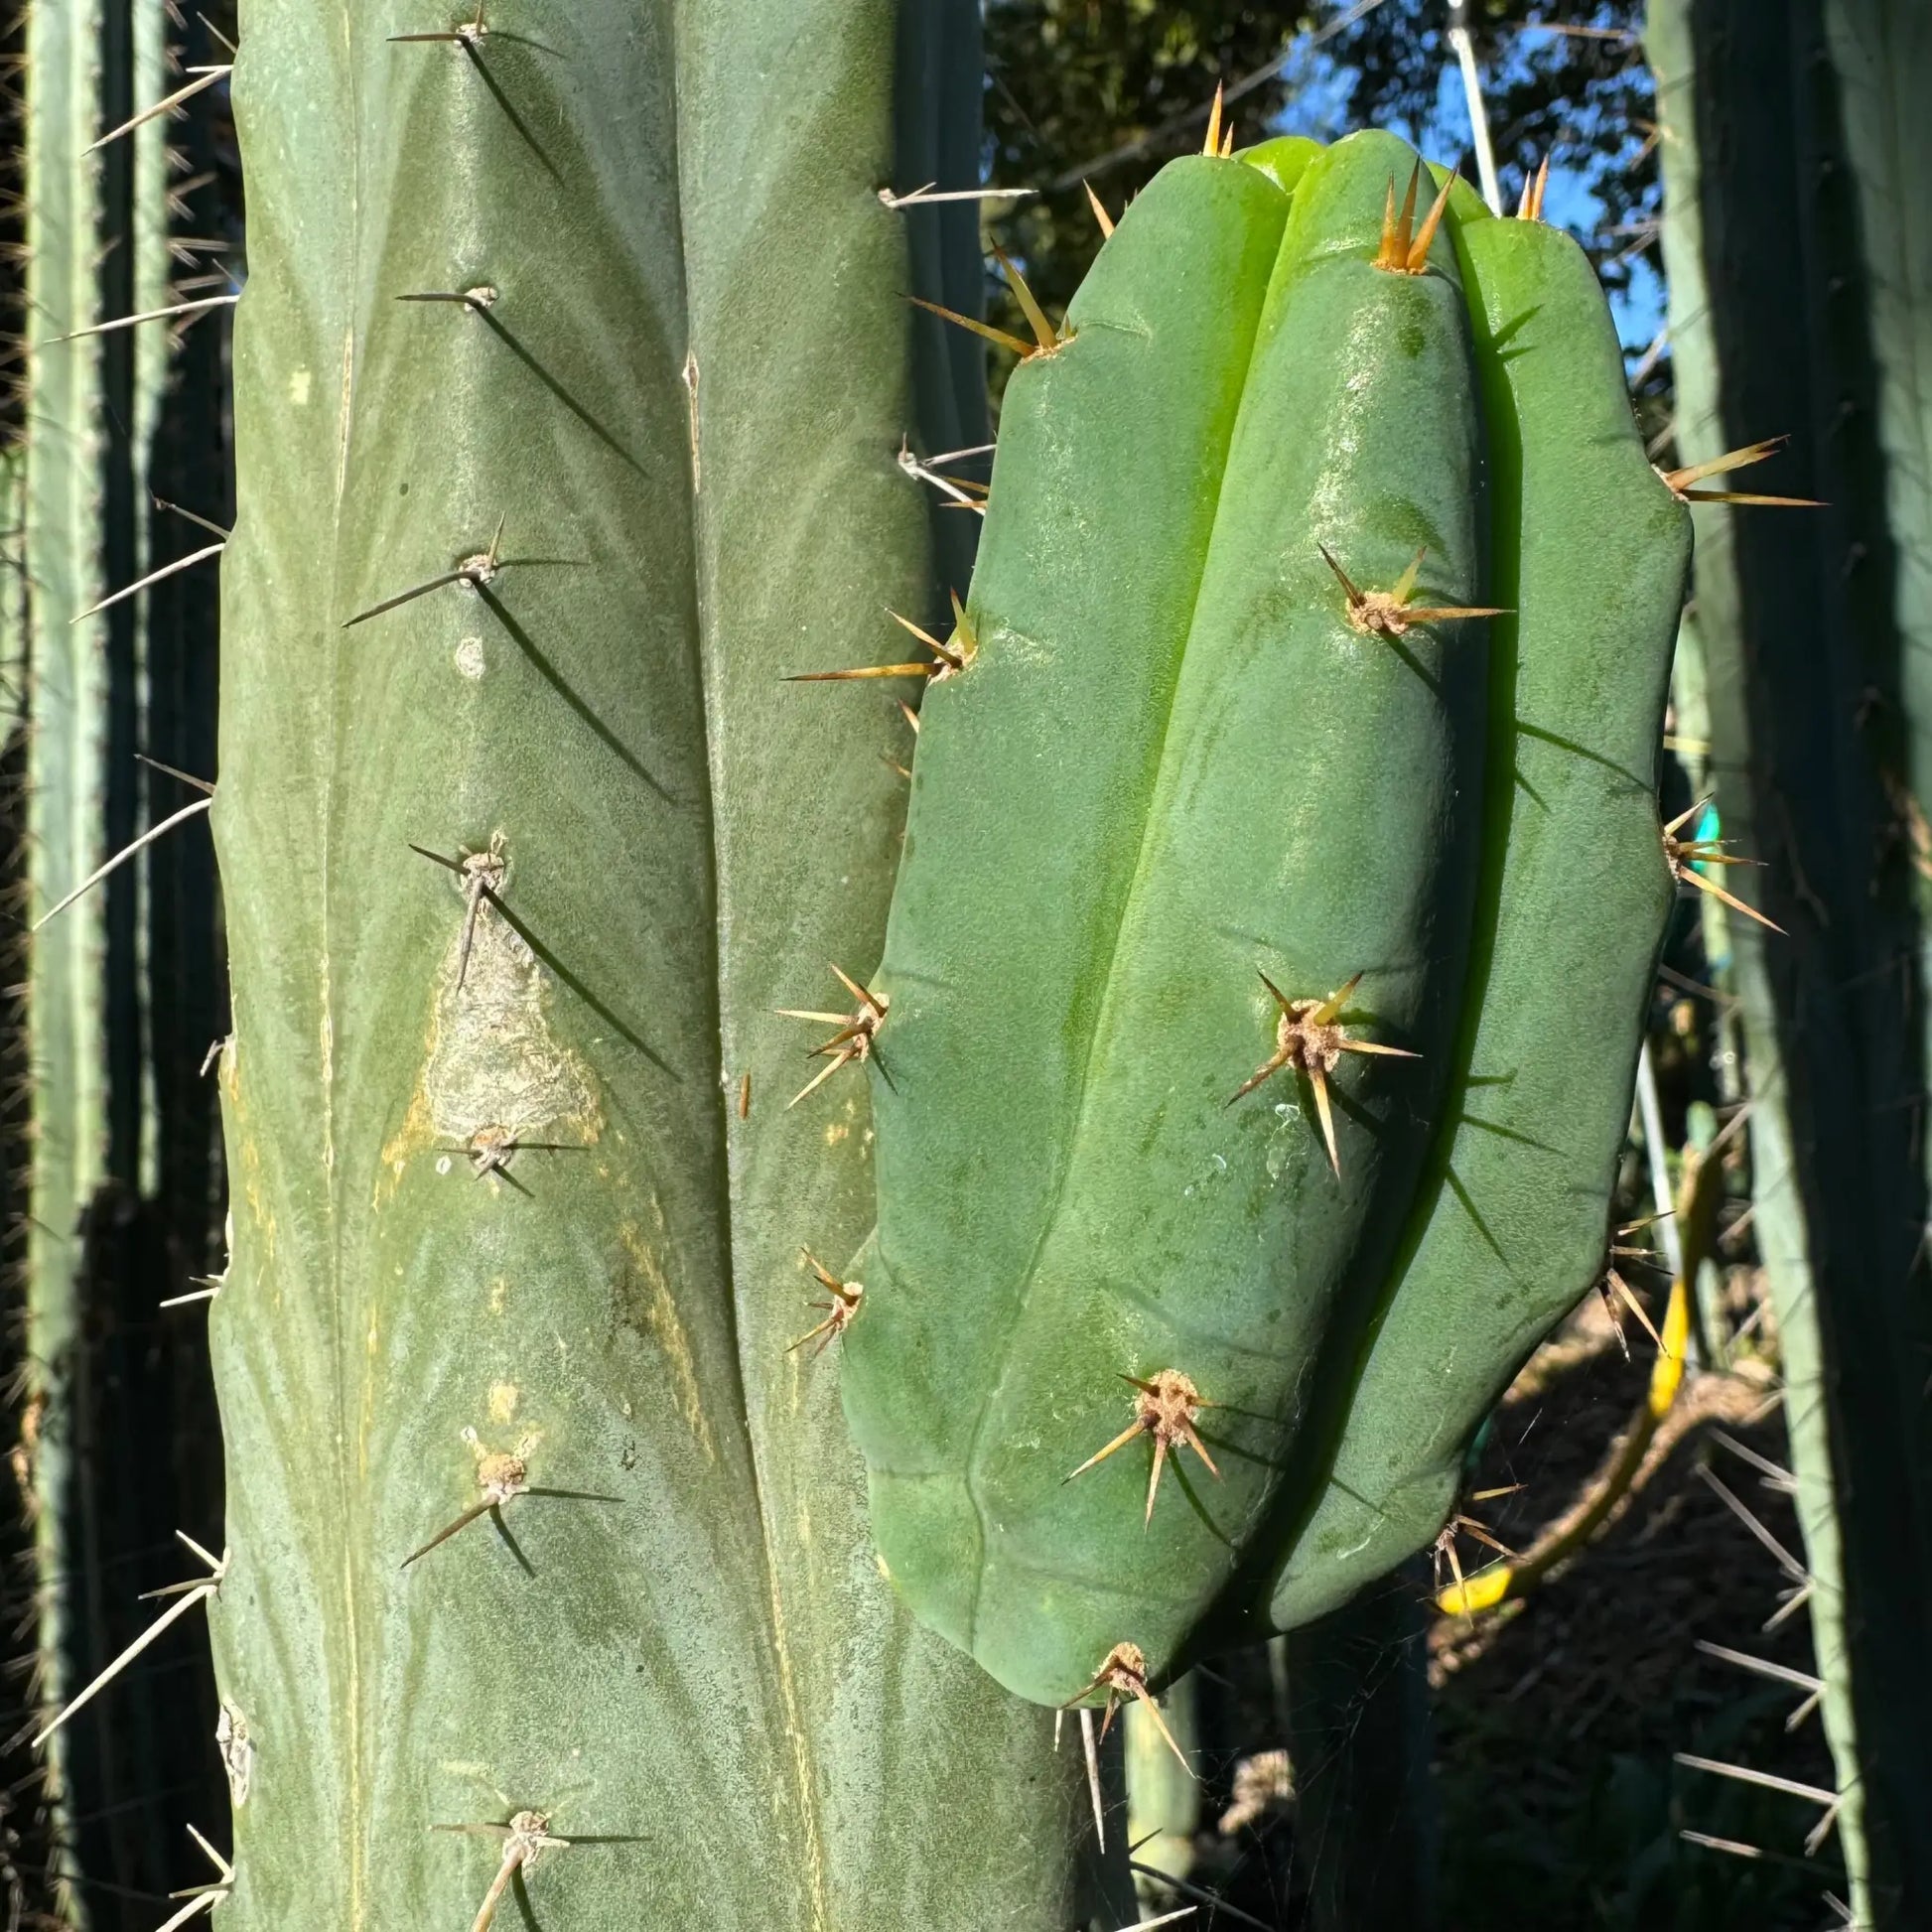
(681, 404)
(1800, 282)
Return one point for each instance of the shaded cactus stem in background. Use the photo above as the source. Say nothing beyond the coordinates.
(1796, 185)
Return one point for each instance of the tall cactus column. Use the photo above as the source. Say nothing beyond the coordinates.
(519, 1205)
(1800, 280)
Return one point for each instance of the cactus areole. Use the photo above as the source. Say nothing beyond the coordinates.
(1281, 887)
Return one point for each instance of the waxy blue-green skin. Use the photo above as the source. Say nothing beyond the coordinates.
(1172, 767)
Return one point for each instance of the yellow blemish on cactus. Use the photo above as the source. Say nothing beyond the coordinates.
(658, 1311)
(499, 1291)
(835, 1132)
(490, 1057)
(300, 383)
(503, 1396)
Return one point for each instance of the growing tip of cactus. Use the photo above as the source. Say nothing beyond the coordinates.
(1310, 1038)
(1679, 481)
(1123, 1674)
(1165, 1409)
(1389, 614)
(1405, 247)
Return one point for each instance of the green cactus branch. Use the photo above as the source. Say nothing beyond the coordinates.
(1222, 757)
(519, 1216)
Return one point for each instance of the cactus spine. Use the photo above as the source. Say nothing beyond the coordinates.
(1800, 280)
(519, 1206)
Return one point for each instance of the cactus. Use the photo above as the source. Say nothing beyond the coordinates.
(61, 547)
(1798, 298)
(569, 377)
(1213, 793)
(99, 1388)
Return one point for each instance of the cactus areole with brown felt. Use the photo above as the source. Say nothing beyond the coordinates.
(1281, 889)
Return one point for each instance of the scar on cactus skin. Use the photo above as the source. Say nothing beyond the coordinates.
(844, 1305)
(482, 874)
(1165, 1409)
(1046, 338)
(1404, 249)
(1679, 481)
(948, 659)
(1123, 1674)
(852, 1041)
(1389, 614)
(1530, 207)
(1310, 1038)
(1684, 856)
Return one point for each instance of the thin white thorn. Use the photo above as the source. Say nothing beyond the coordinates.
(1092, 1752)
(1166, 1918)
(217, 1565)
(919, 197)
(1786, 1562)
(197, 1593)
(1791, 1605)
(215, 1858)
(182, 1301)
(1781, 1478)
(204, 77)
(194, 308)
(1735, 1847)
(124, 853)
(1782, 1673)
(1821, 1830)
(203, 1902)
(153, 577)
(1804, 1710)
(1745, 1775)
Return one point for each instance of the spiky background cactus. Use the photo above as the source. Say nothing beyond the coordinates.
(1800, 284)
(656, 442)
(107, 1382)
(1239, 774)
